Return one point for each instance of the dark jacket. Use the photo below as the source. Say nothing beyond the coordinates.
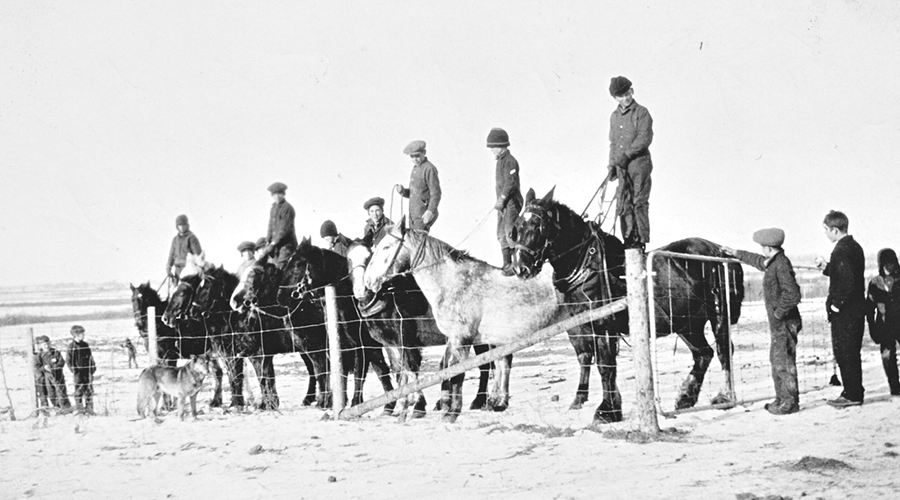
(846, 290)
(630, 135)
(341, 245)
(884, 309)
(424, 190)
(507, 181)
(79, 358)
(372, 232)
(281, 225)
(182, 244)
(52, 362)
(780, 289)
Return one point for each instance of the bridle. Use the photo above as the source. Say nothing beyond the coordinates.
(538, 256)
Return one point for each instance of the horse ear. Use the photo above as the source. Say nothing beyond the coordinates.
(529, 196)
(132, 286)
(549, 196)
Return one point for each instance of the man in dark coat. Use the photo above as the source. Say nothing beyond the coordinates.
(81, 362)
(377, 224)
(281, 237)
(337, 242)
(509, 194)
(424, 190)
(782, 296)
(183, 243)
(846, 305)
(630, 135)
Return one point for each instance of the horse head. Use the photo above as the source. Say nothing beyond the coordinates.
(359, 255)
(181, 301)
(142, 297)
(392, 255)
(214, 292)
(533, 233)
(259, 285)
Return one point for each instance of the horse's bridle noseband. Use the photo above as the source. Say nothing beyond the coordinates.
(538, 255)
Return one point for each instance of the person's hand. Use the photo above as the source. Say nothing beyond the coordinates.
(499, 205)
(821, 262)
(169, 272)
(427, 217)
(727, 250)
(612, 172)
(398, 188)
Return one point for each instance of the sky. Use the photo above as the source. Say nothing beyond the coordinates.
(115, 117)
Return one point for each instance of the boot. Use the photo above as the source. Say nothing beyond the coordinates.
(507, 269)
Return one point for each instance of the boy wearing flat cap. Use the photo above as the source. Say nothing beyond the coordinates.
(52, 363)
(281, 236)
(81, 363)
(509, 194)
(183, 243)
(376, 225)
(424, 190)
(247, 250)
(782, 295)
(337, 242)
(630, 135)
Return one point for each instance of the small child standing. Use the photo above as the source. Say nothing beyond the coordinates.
(132, 354)
(40, 382)
(52, 364)
(884, 314)
(81, 362)
(782, 295)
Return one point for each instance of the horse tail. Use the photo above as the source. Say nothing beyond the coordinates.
(735, 290)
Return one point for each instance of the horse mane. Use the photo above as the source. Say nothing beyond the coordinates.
(147, 291)
(440, 248)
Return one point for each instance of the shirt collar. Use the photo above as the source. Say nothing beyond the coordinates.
(772, 258)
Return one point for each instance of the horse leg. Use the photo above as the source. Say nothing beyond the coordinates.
(484, 374)
(235, 367)
(414, 365)
(499, 398)
(724, 349)
(311, 387)
(383, 372)
(217, 391)
(582, 341)
(320, 374)
(265, 372)
(456, 355)
(443, 404)
(610, 409)
(703, 354)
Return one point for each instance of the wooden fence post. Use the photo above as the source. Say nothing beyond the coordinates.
(151, 336)
(492, 355)
(639, 327)
(334, 349)
(32, 383)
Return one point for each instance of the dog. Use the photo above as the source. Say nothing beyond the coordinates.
(180, 383)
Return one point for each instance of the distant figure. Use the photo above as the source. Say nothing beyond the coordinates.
(81, 362)
(424, 190)
(846, 305)
(630, 135)
(884, 314)
(130, 350)
(509, 195)
(52, 363)
(377, 224)
(337, 242)
(782, 296)
(281, 236)
(183, 243)
(40, 380)
(247, 250)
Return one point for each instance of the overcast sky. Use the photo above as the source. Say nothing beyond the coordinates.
(117, 116)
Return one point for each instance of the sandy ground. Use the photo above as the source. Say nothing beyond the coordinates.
(537, 449)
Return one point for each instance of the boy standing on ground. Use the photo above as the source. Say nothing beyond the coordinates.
(52, 364)
(845, 305)
(509, 195)
(884, 314)
(130, 350)
(782, 295)
(81, 362)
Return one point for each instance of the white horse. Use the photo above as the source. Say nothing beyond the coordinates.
(472, 302)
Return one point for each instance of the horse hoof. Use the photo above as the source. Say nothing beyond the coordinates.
(497, 407)
(607, 417)
(308, 401)
(387, 412)
(449, 418)
(684, 402)
(576, 405)
(479, 403)
(418, 413)
(720, 399)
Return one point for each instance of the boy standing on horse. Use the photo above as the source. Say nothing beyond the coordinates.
(846, 305)
(337, 242)
(281, 236)
(376, 225)
(509, 195)
(630, 135)
(81, 362)
(424, 190)
(183, 243)
(782, 295)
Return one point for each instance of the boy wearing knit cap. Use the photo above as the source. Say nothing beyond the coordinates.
(81, 362)
(337, 242)
(183, 243)
(509, 195)
(782, 295)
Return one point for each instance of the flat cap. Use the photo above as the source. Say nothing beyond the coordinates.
(260, 243)
(278, 187)
(328, 229)
(619, 85)
(41, 338)
(374, 201)
(414, 148)
(770, 237)
(76, 329)
(181, 220)
(497, 138)
(246, 245)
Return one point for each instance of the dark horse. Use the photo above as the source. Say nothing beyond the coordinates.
(588, 271)
(172, 343)
(306, 274)
(204, 298)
